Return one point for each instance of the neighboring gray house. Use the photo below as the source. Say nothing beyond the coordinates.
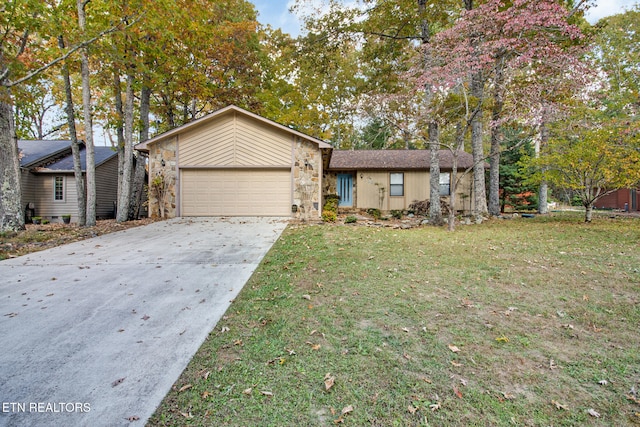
(48, 182)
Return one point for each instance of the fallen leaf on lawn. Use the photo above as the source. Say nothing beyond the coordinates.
(435, 406)
(205, 374)
(405, 329)
(237, 342)
(559, 405)
(347, 409)
(593, 413)
(457, 392)
(552, 364)
(338, 421)
(117, 382)
(186, 415)
(456, 364)
(224, 329)
(132, 418)
(267, 393)
(633, 398)
(406, 356)
(603, 382)
(427, 380)
(508, 396)
(185, 387)
(205, 394)
(502, 339)
(328, 381)
(412, 409)
(454, 348)
(308, 297)
(247, 391)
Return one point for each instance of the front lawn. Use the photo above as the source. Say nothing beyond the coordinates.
(529, 322)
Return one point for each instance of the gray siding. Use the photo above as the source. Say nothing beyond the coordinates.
(107, 188)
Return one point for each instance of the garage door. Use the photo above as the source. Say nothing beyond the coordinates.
(236, 192)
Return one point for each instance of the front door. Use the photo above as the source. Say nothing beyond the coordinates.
(345, 189)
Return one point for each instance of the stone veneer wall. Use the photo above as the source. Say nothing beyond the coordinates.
(163, 150)
(306, 179)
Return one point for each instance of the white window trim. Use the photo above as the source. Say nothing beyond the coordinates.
(447, 182)
(64, 195)
(390, 184)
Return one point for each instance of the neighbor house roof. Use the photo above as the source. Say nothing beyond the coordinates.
(32, 152)
(143, 146)
(55, 155)
(395, 159)
(65, 164)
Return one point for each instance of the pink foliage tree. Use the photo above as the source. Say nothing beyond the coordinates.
(518, 48)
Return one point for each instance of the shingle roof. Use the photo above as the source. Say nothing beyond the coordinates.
(394, 159)
(32, 152)
(55, 155)
(102, 154)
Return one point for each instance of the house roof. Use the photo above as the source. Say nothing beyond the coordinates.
(36, 151)
(65, 164)
(143, 146)
(55, 155)
(395, 159)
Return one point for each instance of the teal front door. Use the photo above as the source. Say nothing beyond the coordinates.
(345, 189)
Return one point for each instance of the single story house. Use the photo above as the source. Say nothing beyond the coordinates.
(393, 179)
(236, 163)
(48, 181)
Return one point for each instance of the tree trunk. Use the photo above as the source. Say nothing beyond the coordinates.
(452, 197)
(117, 95)
(127, 166)
(477, 91)
(75, 146)
(88, 123)
(11, 213)
(543, 206)
(435, 209)
(496, 139)
(588, 212)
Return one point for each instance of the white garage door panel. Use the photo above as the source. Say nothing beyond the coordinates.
(235, 192)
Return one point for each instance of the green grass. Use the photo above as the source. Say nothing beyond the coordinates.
(542, 311)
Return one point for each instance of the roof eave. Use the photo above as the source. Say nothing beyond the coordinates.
(144, 146)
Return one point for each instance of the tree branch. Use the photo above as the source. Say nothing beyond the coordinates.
(71, 51)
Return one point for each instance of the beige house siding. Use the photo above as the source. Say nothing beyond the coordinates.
(234, 140)
(371, 190)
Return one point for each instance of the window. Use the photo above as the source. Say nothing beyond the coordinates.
(58, 188)
(445, 184)
(397, 184)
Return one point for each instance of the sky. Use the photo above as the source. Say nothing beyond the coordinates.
(276, 12)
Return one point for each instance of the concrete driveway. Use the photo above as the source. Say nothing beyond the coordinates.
(95, 333)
